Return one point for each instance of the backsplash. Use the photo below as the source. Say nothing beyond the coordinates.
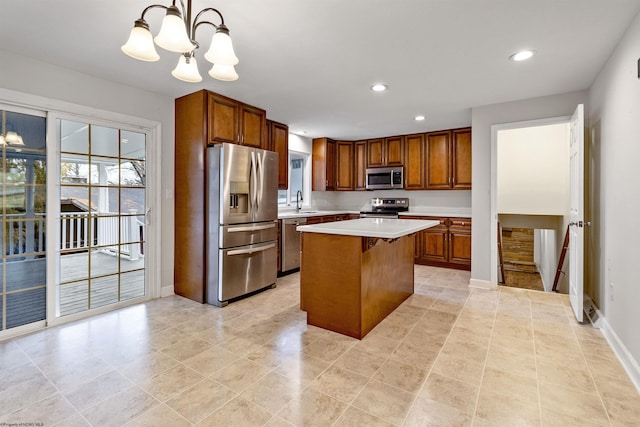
(357, 200)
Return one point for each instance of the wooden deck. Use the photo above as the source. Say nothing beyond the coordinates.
(26, 295)
(74, 293)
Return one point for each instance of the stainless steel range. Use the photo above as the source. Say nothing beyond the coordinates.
(386, 207)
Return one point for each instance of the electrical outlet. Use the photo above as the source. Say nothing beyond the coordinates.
(611, 291)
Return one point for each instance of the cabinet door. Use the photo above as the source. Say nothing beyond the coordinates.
(252, 126)
(438, 160)
(331, 165)
(434, 244)
(314, 220)
(344, 169)
(414, 162)
(279, 142)
(461, 159)
(222, 123)
(394, 151)
(375, 153)
(360, 165)
(323, 165)
(279, 262)
(460, 241)
(417, 246)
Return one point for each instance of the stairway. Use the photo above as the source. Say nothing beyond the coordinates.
(520, 269)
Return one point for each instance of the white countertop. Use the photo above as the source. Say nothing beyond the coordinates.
(311, 212)
(370, 227)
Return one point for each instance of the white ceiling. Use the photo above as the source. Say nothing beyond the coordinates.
(310, 63)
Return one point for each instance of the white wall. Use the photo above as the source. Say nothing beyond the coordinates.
(544, 248)
(32, 77)
(533, 170)
(614, 115)
(300, 144)
(482, 118)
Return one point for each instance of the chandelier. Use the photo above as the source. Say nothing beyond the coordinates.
(178, 34)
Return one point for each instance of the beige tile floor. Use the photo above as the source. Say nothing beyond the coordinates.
(447, 356)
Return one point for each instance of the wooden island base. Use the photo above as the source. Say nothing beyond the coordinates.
(349, 284)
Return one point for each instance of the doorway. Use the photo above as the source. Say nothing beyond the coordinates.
(531, 193)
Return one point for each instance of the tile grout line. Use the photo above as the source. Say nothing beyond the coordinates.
(535, 359)
(484, 365)
(439, 351)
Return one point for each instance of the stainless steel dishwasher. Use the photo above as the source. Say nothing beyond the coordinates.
(291, 243)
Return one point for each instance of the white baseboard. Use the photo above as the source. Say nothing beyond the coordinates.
(626, 359)
(166, 291)
(483, 284)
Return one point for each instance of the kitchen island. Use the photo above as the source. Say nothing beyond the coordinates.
(355, 273)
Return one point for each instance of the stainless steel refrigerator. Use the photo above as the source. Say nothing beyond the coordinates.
(242, 211)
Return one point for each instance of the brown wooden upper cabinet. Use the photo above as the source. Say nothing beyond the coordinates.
(385, 152)
(323, 164)
(448, 159)
(360, 165)
(237, 123)
(414, 162)
(278, 141)
(344, 165)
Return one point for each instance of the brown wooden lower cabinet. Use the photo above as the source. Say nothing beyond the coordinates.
(445, 245)
(279, 245)
(349, 284)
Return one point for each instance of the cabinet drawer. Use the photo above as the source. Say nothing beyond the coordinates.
(460, 223)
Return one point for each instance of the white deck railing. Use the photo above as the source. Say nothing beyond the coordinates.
(27, 235)
(15, 233)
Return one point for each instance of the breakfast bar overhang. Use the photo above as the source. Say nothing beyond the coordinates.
(355, 273)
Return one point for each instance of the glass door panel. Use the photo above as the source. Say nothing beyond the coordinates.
(22, 219)
(103, 190)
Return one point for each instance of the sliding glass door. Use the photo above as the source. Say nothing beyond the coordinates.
(102, 216)
(22, 217)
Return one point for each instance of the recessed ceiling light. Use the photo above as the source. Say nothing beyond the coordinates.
(419, 118)
(522, 55)
(124, 140)
(379, 87)
(301, 132)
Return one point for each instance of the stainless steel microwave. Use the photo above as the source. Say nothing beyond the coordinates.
(385, 178)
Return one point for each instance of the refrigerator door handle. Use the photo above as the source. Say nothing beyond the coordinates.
(251, 185)
(259, 178)
(251, 250)
(251, 228)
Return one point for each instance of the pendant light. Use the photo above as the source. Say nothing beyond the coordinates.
(177, 34)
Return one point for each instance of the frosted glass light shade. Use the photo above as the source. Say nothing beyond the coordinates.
(173, 33)
(187, 70)
(140, 44)
(221, 49)
(13, 138)
(226, 73)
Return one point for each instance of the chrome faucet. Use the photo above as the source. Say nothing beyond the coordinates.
(298, 200)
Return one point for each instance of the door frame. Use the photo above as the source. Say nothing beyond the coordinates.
(61, 109)
(494, 266)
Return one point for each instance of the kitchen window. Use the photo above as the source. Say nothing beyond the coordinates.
(299, 179)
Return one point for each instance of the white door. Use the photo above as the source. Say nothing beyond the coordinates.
(576, 209)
